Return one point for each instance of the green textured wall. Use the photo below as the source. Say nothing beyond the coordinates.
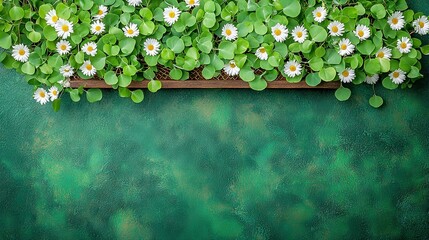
(215, 164)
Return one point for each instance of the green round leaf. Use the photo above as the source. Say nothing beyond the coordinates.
(387, 83)
(110, 78)
(130, 70)
(154, 85)
(5, 40)
(258, 84)
(28, 68)
(343, 94)
(378, 11)
(208, 72)
(176, 44)
(318, 33)
(313, 79)
(127, 45)
(209, 20)
(226, 50)
(327, 74)
(376, 101)
(316, 63)
(176, 74)
(291, 8)
(34, 36)
(137, 96)
(124, 80)
(247, 74)
(16, 13)
(94, 95)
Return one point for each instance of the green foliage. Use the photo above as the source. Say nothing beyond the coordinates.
(197, 41)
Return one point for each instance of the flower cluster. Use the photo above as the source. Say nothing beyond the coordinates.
(123, 42)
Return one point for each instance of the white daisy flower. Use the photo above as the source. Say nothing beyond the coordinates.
(53, 93)
(346, 47)
(362, 32)
(347, 75)
(192, 3)
(384, 53)
(279, 32)
(102, 11)
(87, 68)
(20, 53)
(151, 46)
(229, 31)
(404, 45)
(67, 70)
(90, 48)
(261, 53)
(131, 30)
(231, 69)
(134, 2)
(52, 18)
(41, 96)
(64, 28)
(292, 68)
(396, 21)
(299, 34)
(319, 14)
(171, 15)
(397, 76)
(421, 25)
(336, 28)
(372, 79)
(97, 27)
(63, 47)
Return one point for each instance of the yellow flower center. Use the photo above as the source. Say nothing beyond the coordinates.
(130, 31)
(97, 28)
(395, 21)
(65, 28)
(54, 18)
(360, 33)
(191, 2)
(150, 47)
(100, 12)
(292, 68)
(299, 34)
(403, 45)
(228, 32)
(42, 94)
(380, 55)
(232, 65)
(345, 73)
(421, 24)
(343, 47)
(334, 29)
(54, 92)
(66, 70)
(172, 14)
(277, 32)
(89, 67)
(21, 52)
(90, 48)
(262, 50)
(396, 74)
(318, 14)
(63, 47)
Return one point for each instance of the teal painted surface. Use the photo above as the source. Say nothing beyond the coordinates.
(215, 164)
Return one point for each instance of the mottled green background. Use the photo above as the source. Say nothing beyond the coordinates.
(215, 164)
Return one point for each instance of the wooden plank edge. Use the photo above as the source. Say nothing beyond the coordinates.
(201, 84)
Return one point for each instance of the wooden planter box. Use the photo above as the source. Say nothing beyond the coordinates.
(196, 81)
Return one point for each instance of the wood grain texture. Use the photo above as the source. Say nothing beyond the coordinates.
(196, 84)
